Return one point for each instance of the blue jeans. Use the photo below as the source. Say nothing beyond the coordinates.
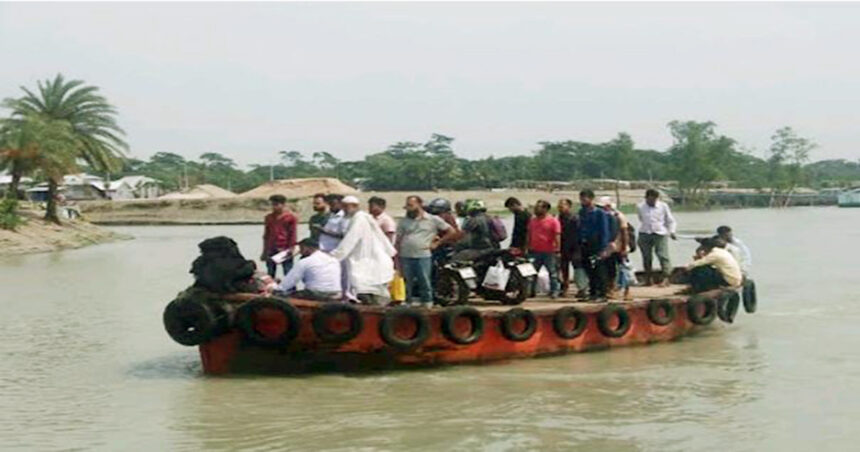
(273, 267)
(550, 261)
(416, 272)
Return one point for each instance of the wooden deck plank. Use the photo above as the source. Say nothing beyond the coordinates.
(639, 294)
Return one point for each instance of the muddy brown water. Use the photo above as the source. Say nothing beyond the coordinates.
(85, 364)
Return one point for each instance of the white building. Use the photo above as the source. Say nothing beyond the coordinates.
(87, 187)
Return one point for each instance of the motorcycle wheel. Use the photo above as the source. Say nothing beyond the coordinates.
(450, 290)
(516, 291)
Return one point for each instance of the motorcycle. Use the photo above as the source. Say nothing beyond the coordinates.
(463, 272)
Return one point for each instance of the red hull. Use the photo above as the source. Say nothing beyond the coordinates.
(231, 352)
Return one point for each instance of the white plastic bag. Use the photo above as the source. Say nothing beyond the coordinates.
(543, 285)
(497, 277)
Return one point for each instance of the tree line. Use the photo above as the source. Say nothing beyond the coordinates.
(66, 126)
(698, 156)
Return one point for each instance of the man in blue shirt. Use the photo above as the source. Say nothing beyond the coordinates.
(594, 236)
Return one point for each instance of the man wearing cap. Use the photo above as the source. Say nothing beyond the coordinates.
(318, 272)
(279, 236)
(367, 254)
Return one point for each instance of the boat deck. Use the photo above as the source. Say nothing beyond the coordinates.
(639, 294)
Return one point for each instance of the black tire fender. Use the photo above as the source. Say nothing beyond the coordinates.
(750, 296)
(449, 318)
(727, 305)
(606, 315)
(389, 321)
(661, 311)
(709, 313)
(245, 321)
(560, 318)
(329, 310)
(190, 322)
(506, 323)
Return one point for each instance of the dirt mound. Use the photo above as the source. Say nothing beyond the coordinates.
(300, 188)
(204, 191)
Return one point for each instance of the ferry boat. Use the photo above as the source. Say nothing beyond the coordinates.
(258, 333)
(849, 198)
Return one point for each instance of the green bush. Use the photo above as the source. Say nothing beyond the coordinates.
(9, 218)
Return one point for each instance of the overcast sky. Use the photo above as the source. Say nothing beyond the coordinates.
(248, 80)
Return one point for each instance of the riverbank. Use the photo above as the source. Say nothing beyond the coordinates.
(38, 236)
(242, 210)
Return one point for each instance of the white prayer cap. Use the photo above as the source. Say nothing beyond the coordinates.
(350, 200)
(605, 201)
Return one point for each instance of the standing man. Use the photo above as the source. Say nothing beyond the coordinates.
(335, 226)
(522, 216)
(594, 239)
(544, 241)
(475, 232)
(417, 237)
(320, 217)
(376, 207)
(367, 254)
(279, 235)
(571, 252)
(656, 224)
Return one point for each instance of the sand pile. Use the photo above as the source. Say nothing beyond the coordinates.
(204, 191)
(300, 188)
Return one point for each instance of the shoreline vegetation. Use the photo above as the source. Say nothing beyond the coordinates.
(248, 211)
(67, 127)
(35, 235)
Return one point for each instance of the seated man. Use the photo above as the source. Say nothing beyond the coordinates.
(317, 271)
(715, 268)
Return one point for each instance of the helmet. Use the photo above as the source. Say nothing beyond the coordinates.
(438, 206)
(475, 205)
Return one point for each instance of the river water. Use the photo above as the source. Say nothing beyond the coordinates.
(85, 364)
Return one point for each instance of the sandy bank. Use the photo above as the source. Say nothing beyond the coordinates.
(243, 210)
(37, 236)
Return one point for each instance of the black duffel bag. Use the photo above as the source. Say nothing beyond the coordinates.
(221, 268)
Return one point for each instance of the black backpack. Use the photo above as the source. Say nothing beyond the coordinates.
(631, 237)
(221, 268)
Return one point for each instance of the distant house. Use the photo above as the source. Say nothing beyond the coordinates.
(132, 187)
(142, 187)
(87, 187)
(82, 187)
(6, 181)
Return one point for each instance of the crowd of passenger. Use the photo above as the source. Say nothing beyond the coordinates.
(354, 255)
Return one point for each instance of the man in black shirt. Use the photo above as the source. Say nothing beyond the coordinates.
(571, 253)
(519, 238)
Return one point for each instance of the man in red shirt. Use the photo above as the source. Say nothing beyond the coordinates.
(544, 241)
(279, 235)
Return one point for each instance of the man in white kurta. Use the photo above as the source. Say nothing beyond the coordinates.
(368, 254)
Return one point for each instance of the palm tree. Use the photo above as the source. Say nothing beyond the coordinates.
(44, 145)
(15, 157)
(91, 121)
